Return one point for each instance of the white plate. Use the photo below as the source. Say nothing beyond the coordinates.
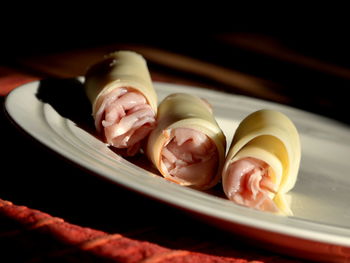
(320, 227)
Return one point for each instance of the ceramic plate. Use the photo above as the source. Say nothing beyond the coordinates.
(320, 226)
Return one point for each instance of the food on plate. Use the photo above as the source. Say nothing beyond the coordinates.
(187, 146)
(124, 102)
(263, 161)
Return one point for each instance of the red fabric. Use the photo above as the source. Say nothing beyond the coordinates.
(105, 246)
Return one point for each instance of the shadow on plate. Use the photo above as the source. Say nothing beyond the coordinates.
(68, 98)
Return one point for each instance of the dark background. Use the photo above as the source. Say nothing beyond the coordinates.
(320, 31)
(313, 32)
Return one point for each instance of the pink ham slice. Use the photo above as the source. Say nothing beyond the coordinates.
(248, 183)
(190, 157)
(125, 118)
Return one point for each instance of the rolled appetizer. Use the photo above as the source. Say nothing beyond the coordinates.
(124, 102)
(263, 162)
(187, 146)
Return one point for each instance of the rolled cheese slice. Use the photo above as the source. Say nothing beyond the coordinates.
(263, 162)
(124, 102)
(187, 146)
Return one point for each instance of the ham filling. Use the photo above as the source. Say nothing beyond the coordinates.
(248, 183)
(125, 118)
(189, 157)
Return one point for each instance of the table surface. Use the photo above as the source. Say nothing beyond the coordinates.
(270, 70)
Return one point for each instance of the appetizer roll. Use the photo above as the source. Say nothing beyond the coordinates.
(124, 102)
(187, 146)
(263, 162)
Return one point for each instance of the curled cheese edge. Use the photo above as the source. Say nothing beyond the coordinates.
(182, 110)
(272, 137)
(120, 69)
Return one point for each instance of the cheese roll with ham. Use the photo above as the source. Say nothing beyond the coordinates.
(187, 146)
(124, 102)
(263, 162)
